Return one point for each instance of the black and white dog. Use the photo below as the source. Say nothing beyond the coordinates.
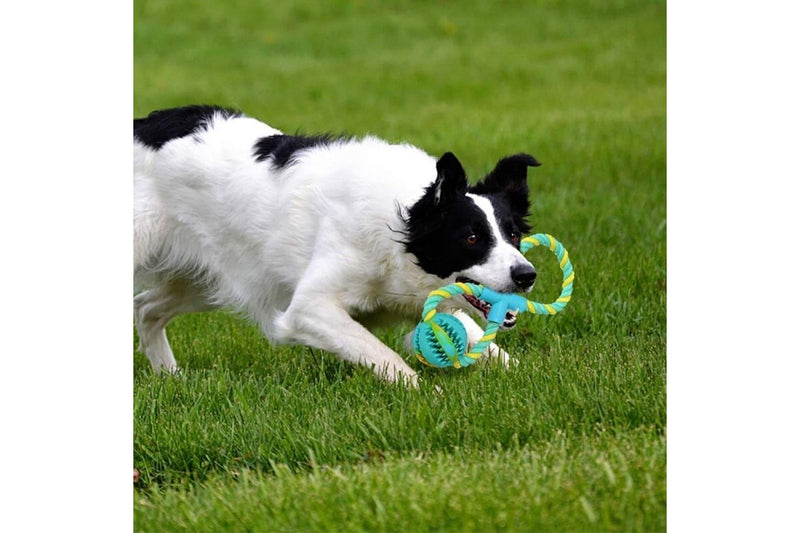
(314, 238)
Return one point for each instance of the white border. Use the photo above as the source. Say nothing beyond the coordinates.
(65, 209)
(732, 219)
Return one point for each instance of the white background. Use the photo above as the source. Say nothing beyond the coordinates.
(66, 383)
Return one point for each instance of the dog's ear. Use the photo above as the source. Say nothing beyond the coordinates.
(451, 180)
(509, 177)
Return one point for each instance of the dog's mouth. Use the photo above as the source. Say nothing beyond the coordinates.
(484, 307)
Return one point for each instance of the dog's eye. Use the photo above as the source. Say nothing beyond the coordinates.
(514, 238)
(471, 239)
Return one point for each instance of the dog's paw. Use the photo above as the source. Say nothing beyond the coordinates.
(495, 353)
(407, 377)
(411, 381)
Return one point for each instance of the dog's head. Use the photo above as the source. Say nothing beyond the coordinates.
(472, 233)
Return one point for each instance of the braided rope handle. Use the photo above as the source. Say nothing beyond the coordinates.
(502, 302)
(545, 239)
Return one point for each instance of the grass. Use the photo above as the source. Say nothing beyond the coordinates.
(255, 437)
(560, 486)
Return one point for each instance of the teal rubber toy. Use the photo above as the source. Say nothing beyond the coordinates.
(440, 340)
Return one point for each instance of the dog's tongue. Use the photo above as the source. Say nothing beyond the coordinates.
(479, 304)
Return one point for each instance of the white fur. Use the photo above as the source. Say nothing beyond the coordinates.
(492, 272)
(301, 250)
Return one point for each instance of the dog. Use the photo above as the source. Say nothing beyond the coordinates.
(316, 238)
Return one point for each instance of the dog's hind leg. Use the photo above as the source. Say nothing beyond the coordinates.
(154, 308)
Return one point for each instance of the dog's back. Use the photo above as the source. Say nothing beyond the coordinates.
(179, 159)
(236, 205)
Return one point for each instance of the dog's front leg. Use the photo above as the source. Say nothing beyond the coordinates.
(322, 323)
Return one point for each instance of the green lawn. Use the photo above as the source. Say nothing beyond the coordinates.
(257, 438)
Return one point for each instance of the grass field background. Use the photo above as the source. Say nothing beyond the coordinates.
(255, 438)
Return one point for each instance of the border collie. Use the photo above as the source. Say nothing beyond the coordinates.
(315, 238)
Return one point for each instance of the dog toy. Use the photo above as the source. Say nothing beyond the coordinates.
(440, 340)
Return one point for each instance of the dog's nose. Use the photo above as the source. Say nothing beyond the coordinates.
(523, 276)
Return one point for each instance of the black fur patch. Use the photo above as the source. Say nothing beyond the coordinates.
(162, 126)
(513, 224)
(439, 239)
(507, 188)
(447, 232)
(444, 229)
(283, 148)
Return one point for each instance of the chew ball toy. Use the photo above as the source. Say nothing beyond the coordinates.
(440, 340)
